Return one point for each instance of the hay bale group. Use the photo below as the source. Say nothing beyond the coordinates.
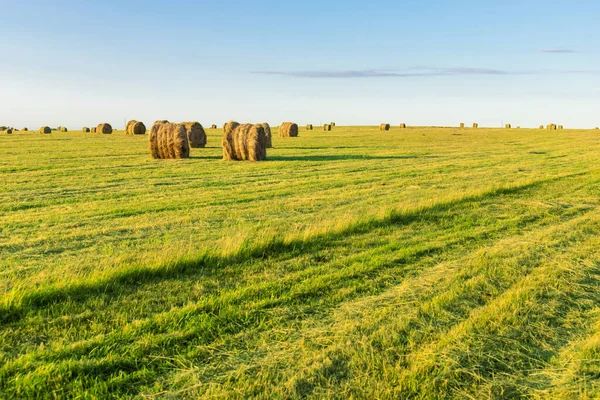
(384, 127)
(244, 142)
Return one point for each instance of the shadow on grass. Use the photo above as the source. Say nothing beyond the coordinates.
(341, 157)
(206, 263)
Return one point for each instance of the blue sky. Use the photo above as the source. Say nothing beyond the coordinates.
(427, 62)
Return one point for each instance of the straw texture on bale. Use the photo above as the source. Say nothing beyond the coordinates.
(475, 125)
(508, 126)
(135, 128)
(462, 124)
(244, 142)
(45, 129)
(9, 131)
(168, 141)
(63, 129)
(403, 126)
(309, 127)
(384, 127)
(327, 127)
(195, 133)
(268, 135)
(25, 129)
(104, 128)
(288, 129)
(85, 129)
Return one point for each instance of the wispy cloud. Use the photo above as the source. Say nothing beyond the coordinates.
(412, 72)
(558, 51)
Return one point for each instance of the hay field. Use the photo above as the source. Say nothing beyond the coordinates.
(410, 263)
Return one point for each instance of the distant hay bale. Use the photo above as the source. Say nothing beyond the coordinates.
(134, 127)
(541, 126)
(332, 124)
(560, 127)
(309, 127)
(63, 129)
(93, 130)
(596, 128)
(551, 127)
(288, 129)
(195, 133)
(462, 125)
(403, 126)
(244, 142)
(475, 125)
(268, 135)
(213, 126)
(25, 129)
(508, 126)
(9, 131)
(105, 129)
(384, 127)
(45, 129)
(85, 129)
(169, 141)
(518, 127)
(327, 127)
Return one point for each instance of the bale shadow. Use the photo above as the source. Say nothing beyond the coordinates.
(341, 157)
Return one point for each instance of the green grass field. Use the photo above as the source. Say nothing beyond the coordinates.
(414, 263)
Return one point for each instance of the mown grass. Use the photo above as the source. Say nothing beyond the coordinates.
(417, 263)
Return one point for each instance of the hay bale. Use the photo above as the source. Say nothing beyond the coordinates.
(93, 130)
(508, 126)
(327, 127)
(134, 127)
(332, 124)
(9, 131)
(45, 129)
(309, 127)
(475, 125)
(213, 126)
(518, 127)
(288, 129)
(244, 142)
(105, 129)
(63, 129)
(462, 125)
(384, 127)
(551, 127)
(195, 133)
(560, 127)
(596, 128)
(169, 141)
(25, 129)
(268, 135)
(541, 126)
(403, 126)
(85, 129)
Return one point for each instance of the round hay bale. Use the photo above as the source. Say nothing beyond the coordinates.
(332, 124)
(213, 126)
(462, 125)
(560, 127)
(63, 129)
(518, 127)
(268, 135)
(384, 127)
(93, 130)
(288, 129)
(508, 126)
(85, 129)
(403, 126)
(9, 131)
(309, 127)
(25, 129)
(135, 128)
(552, 127)
(327, 127)
(105, 129)
(169, 141)
(475, 125)
(195, 133)
(541, 126)
(45, 129)
(244, 142)
(596, 128)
